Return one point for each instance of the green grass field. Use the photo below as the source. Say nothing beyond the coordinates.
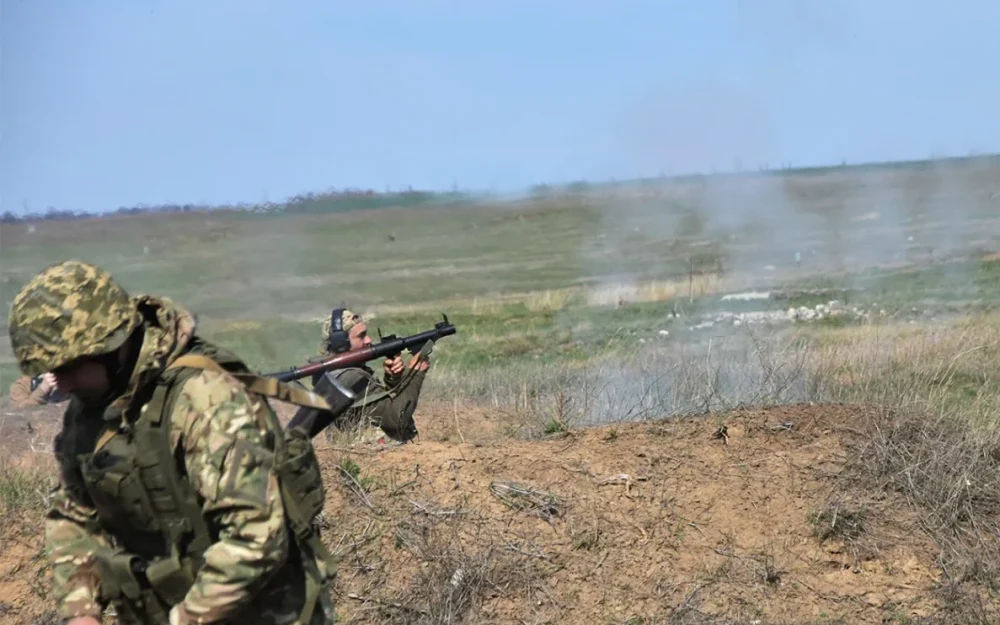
(570, 278)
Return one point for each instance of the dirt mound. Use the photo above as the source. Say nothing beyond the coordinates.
(645, 521)
(739, 518)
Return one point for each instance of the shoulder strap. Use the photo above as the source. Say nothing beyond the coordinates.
(196, 361)
(365, 397)
(109, 432)
(151, 434)
(268, 387)
(271, 387)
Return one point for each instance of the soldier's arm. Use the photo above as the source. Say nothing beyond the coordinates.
(354, 378)
(391, 380)
(22, 396)
(362, 384)
(394, 414)
(230, 463)
(72, 539)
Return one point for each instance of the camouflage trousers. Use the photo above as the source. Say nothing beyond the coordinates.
(323, 614)
(283, 606)
(279, 607)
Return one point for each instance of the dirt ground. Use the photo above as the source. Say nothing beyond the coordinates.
(746, 517)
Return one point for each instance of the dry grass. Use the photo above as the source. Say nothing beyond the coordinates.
(548, 300)
(460, 569)
(932, 438)
(949, 368)
(416, 561)
(27, 468)
(696, 286)
(554, 300)
(934, 435)
(22, 489)
(952, 473)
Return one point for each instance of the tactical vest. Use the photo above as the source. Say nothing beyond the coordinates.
(145, 501)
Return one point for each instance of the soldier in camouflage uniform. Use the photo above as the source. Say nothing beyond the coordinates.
(181, 500)
(388, 404)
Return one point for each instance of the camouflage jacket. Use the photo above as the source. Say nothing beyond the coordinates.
(388, 404)
(248, 573)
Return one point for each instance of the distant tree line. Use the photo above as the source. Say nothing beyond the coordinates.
(334, 201)
(324, 202)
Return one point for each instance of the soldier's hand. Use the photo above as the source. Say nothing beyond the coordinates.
(48, 382)
(420, 364)
(393, 365)
(83, 620)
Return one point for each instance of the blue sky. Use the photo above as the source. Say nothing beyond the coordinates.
(109, 103)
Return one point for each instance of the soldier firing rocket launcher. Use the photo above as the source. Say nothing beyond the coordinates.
(390, 345)
(315, 421)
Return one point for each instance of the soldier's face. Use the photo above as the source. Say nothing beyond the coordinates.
(359, 336)
(85, 378)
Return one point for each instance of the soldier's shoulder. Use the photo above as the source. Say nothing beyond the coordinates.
(212, 394)
(352, 373)
(355, 378)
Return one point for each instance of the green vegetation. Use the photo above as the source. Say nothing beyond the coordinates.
(602, 304)
(21, 488)
(561, 277)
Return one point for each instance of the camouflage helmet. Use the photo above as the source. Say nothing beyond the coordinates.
(68, 311)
